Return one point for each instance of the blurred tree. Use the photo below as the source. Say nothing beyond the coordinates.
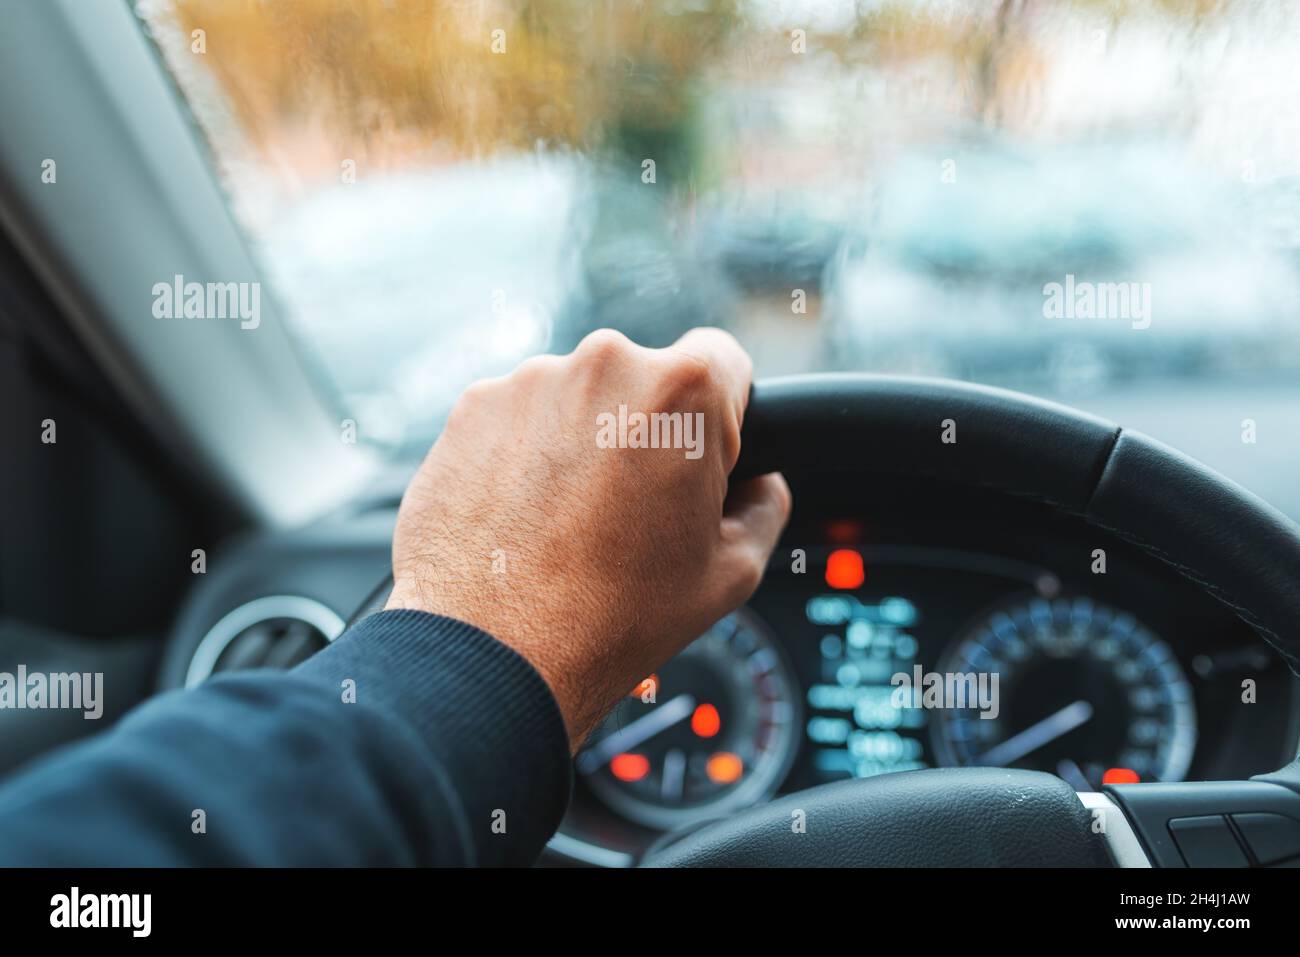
(421, 76)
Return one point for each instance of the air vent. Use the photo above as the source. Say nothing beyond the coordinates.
(274, 632)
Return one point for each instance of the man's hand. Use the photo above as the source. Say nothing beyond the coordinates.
(595, 563)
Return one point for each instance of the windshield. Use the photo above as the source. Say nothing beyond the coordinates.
(1092, 201)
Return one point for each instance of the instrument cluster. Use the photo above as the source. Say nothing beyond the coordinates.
(857, 659)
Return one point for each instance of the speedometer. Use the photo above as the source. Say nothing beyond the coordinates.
(714, 730)
(1086, 692)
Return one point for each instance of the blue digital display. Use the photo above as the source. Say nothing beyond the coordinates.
(854, 726)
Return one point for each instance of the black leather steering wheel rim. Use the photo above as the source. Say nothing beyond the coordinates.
(1214, 533)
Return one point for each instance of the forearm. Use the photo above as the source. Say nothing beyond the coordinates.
(411, 740)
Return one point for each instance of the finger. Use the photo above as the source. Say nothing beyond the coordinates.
(726, 359)
(754, 516)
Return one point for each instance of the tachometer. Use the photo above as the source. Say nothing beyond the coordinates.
(1085, 692)
(716, 729)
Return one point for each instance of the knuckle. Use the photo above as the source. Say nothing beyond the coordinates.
(602, 346)
(477, 392)
(684, 373)
(473, 397)
(537, 367)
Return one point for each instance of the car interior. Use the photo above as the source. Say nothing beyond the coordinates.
(1092, 507)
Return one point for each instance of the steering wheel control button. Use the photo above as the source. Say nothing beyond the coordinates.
(1207, 841)
(1272, 838)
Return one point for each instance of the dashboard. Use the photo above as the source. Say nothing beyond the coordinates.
(899, 626)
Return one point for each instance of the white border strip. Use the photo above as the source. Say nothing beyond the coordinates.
(1120, 839)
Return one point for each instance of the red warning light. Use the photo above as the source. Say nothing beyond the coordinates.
(844, 531)
(706, 722)
(1120, 776)
(629, 767)
(844, 569)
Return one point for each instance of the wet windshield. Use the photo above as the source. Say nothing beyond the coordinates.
(1096, 201)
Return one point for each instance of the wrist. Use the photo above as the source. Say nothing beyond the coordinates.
(425, 596)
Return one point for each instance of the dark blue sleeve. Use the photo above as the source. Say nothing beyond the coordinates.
(413, 739)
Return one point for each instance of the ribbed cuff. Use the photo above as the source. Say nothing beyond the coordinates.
(485, 713)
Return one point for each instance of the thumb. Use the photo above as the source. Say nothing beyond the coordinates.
(753, 517)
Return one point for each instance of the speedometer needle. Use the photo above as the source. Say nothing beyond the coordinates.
(642, 729)
(1036, 735)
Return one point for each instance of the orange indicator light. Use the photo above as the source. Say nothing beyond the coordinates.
(725, 768)
(844, 569)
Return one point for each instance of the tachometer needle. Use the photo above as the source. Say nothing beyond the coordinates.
(1035, 736)
(643, 729)
(674, 775)
(1070, 772)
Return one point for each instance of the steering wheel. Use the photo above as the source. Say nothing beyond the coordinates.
(1231, 544)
